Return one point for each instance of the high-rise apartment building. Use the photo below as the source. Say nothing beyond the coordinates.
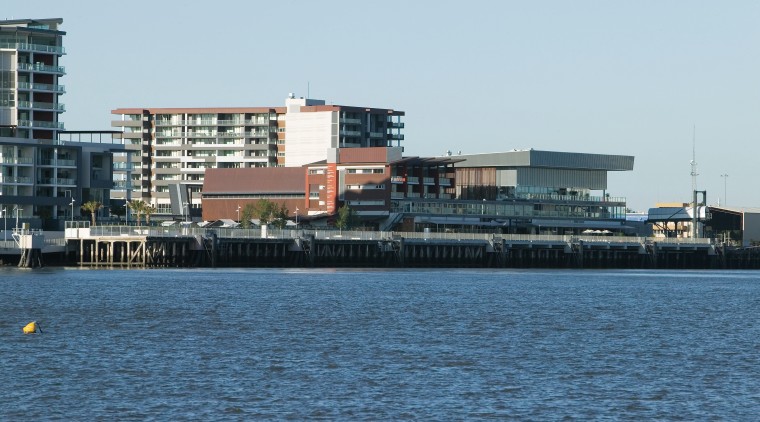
(43, 175)
(29, 73)
(170, 148)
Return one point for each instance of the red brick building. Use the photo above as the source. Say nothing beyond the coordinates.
(365, 179)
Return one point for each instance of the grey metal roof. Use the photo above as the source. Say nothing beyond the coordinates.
(548, 159)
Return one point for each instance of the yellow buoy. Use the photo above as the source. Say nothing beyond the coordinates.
(32, 328)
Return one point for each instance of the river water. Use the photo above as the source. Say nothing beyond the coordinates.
(262, 344)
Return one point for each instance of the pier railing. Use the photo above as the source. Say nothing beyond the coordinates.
(368, 235)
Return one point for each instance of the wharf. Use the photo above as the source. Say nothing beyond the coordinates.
(130, 246)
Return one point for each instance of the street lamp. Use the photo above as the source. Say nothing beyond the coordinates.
(126, 211)
(296, 217)
(5, 223)
(184, 211)
(72, 212)
(17, 209)
(725, 179)
(238, 213)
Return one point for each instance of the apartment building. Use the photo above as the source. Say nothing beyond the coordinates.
(169, 149)
(45, 173)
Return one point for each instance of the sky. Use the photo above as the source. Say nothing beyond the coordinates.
(658, 80)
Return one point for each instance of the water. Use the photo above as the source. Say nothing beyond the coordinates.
(380, 345)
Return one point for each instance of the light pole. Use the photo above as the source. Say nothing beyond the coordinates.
(5, 223)
(126, 211)
(72, 212)
(238, 213)
(725, 179)
(184, 211)
(296, 217)
(17, 211)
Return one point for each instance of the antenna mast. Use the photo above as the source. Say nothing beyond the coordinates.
(694, 159)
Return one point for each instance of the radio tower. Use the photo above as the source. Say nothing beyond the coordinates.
(694, 159)
(695, 209)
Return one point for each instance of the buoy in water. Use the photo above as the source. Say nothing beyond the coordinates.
(32, 328)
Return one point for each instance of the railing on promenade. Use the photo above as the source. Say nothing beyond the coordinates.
(274, 233)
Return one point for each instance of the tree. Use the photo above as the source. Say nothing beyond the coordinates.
(148, 210)
(138, 207)
(267, 212)
(92, 207)
(246, 214)
(347, 218)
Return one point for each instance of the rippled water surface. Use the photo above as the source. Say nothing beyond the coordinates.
(356, 344)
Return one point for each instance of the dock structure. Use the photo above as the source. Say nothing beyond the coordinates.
(129, 246)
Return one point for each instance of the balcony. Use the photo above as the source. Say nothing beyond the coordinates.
(40, 124)
(395, 137)
(22, 46)
(60, 89)
(351, 121)
(257, 122)
(398, 179)
(169, 123)
(428, 180)
(42, 106)
(443, 181)
(20, 160)
(395, 125)
(412, 180)
(257, 133)
(397, 195)
(16, 180)
(354, 133)
(39, 67)
(121, 166)
(376, 135)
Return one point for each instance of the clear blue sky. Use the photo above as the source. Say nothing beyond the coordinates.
(607, 77)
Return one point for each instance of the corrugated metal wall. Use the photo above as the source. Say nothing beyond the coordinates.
(560, 178)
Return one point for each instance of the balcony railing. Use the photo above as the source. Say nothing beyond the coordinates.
(19, 179)
(350, 133)
(32, 47)
(20, 160)
(40, 123)
(398, 179)
(443, 181)
(428, 180)
(583, 198)
(42, 106)
(257, 122)
(413, 180)
(41, 68)
(42, 87)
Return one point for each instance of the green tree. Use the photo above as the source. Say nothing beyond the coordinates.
(267, 212)
(92, 207)
(148, 210)
(138, 208)
(280, 216)
(347, 218)
(246, 214)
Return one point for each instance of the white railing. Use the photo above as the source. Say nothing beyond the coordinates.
(274, 233)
